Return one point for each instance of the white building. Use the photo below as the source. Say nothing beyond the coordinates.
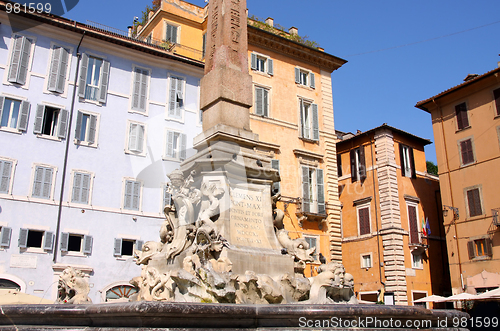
(135, 112)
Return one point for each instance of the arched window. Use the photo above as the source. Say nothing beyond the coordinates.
(120, 293)
(8, 284)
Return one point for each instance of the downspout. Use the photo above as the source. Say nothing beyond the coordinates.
(59, 212)
(451, 190)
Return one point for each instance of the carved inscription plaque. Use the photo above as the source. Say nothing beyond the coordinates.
(247, 218)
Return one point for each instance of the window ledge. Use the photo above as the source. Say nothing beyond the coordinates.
(6, 129)
(34, 250)
(468, 164)
(496, 117)
(309, 140)
(135, 153)
(139, 112)
(475, 218)
(460, 130)
(304, 87)
(481, 258)
(84, 143)
(48, 137)
(74, 254)
(264, 74)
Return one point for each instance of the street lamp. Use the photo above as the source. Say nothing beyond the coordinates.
(456, 214)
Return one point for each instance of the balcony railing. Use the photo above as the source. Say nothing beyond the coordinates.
(495, 213)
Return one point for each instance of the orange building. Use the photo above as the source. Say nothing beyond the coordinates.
(392, 234)
(292, 114)
(466, 125)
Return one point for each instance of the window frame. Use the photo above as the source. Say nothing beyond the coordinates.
(407, 161)
(317, 239)
(103, 85)
(316, 190)
(179, 150)
(481, 204)
(496, 102)
(461, 152)
(308, 120)
(358, 164)
(362, 260)
(366, 205)
(8, 80)
(462, 118)
(267, 64)
(10, 184)
(52, 183)
(265, 102)
(57, 89)
(125, 184)
(132, 151)
(85, 244)
(60, 128)
(417, 261)
(23, 113)
(139, 109)
(415, 205)
(93, 118)
(309, 76)
(472, 248)
(45, 241)
(177, 32)
(91, 175)
(118, 241)
(171, 114)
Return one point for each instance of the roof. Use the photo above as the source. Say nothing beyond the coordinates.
(97, 33)
(467, 83)
(423, 141)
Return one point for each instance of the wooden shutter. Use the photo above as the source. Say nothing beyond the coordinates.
(87, 244)
(474, 202)
(362, 163)
(24, 63)
(320, 185)
(25, 111)
(354, 170)
(58, 69)
(84, 198)
(118, 247)
(136, 137)
(47, 182)
(15, 59)
(496, 94)
(144, 90)
(171, 33)
(5, 235)
(412, 163)
(48, 242)
(136, 191)
(253, 61)
(63, 68)
(129, 185)
(38, 182)
(64, 241)
(136, 89)
(23, 238)
(77, 187)
(182, 149)
(170, 144)
(297, 75)
(5, 176)
(412, 218)
(40, 109)
(204, 46)
(364, 220)
(488, 250)
(139, 244)
(466, 151)
(302, 119)
(276, 188)
(78, 129)
(305, 190)
(92, 129)
(63, 123)
(259, 101)
(140, 138)
(315, 122)
(462, 118)
(173, 104)
(312, 78)
(82, 81)
(270, 67)
(339, 165)
(402, 159)
(471, 249)
(103, 87)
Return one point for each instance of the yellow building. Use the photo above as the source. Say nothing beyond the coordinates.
(393, 240)
(466, 125)
(292, 114)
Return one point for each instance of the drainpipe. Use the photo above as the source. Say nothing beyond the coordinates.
(451, 190)
(59, 212)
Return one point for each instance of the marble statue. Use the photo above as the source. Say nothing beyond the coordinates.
(73, 287)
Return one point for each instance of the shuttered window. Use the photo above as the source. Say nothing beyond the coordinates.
(140, 89)
(167, 198)
(14, 113)
(413, 223)
(20, 59)
(407, 161)
(466, 151)
(171, 33)
(36, 239)
(176, 145)
(5, 235)
(5, 175)
(76, 243)
(479, 248)
(81, 188)
(94, 78)
(304, 77)
(261, 101)
(136, 137)
(262, 63)
(86, 128)
(132, 195)
(474, 202)
(276, 188)
(51, 121)
(58, 69)
(309, 120)
(176, 97)
(358, 164)
(462, 117)
(496, 95)
(125, 247)
(313, 193)
(339, 165)
(364, 220)
(42, 185)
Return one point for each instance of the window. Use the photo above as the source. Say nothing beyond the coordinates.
(132, 196)
(42, 183)
(120, 293)
(140, 89)
(29, 238)
(479, 248)
(94, 76)
(309, 120)
(368, 296)
(313, 197)
(305, 77)
(496, 95)
(204, 46)
(176, 145)
(466, 151)
(339, 165)
(81, 188)
(262, 63)
(136, 137)
(413, 223)
(407, 161)
(416, 261)
(366, 261)
(364, 226)
(86, 128)
(276, 188)
(313, 241)
(176, 98)
(358, 164)
(76, 243)
(20, 59)
(474, 202)
(14, 113)
(5, 234)
(261, 101)
(50, 121)
(462, 117)
(6, 168)
(125, 247)
(58, 69)
(171, 35)
(419, 295)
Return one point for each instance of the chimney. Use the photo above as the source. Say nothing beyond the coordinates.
(139, 28)
(150, 14)
(293, 30)
(470, 76)
(130, 29)
(270, 21)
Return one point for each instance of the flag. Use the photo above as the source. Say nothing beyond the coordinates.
(424, 230)
(427, 226)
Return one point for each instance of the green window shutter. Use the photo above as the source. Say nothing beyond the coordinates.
(320, 185)
(315, 122)
(40, 109)
(183, 143)
(305, 189)
(297, 75)
(276, 188)
(64, 241)
(312, 78)
(78, 129)
(82, 81)
(259, 101)
(270, 67)
(5, 235)
(63, 123)
(48, 242)
(103, 88)
(118, 247)
(23, 238)
(170, 144)
(77, 188)
(5, 176)
(92, 129)
(87, 244)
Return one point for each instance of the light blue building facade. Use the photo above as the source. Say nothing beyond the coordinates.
(132, 121)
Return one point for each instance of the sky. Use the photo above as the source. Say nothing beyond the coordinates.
(399, 52)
